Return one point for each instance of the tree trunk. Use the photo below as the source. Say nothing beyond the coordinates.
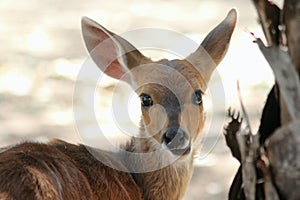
(277, 154)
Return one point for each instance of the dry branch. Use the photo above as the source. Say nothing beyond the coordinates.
(269, 189)
(230, 133)
(283, 150)
(286, 76)
(269, 16)
(280, 165)
(248, 145)
(291, 20)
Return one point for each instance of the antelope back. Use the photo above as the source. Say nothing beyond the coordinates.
(60, 170)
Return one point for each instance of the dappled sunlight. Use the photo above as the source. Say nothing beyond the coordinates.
(39, 41)
(67, 68)
(61, 117)
(15, 83)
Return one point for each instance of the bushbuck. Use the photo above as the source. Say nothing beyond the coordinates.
(156, 165)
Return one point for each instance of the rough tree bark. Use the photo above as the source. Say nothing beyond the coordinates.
(270, 165)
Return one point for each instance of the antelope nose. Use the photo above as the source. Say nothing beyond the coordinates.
(176, 140)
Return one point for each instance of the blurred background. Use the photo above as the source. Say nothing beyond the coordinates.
(42, 51)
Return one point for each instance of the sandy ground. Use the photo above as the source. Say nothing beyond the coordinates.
(42, 52)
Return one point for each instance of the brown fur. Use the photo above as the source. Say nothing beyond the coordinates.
(60, 170)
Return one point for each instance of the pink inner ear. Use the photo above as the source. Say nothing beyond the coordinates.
(114, 70)
(104, 53)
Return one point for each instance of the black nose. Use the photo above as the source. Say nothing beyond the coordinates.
(176, 140)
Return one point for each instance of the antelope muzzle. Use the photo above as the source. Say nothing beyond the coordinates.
(177, 141)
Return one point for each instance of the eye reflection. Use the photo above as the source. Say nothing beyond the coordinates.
(146, 100)
(197, 97)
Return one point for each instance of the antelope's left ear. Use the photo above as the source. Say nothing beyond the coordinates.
(214, 46)
(114, 55)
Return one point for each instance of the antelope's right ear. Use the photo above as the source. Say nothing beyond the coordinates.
(113, 55)
(214, 46)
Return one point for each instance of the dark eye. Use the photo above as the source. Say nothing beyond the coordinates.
(146, 100)
(197, 97)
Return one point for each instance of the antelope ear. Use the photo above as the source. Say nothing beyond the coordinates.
(113, 55)
(214, 46)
